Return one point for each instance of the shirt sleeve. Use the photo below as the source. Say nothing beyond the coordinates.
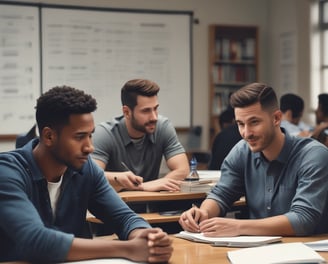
(101, 142)
(309, 204)
(107, 206)
(230, 187)
(172, 145)
(21, 222)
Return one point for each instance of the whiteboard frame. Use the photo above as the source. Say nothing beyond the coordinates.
(25, 71)
(40, 6)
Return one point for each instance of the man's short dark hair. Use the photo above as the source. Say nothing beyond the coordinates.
(254, 93)
(55, 106)
(133, 88)
(323, 102)
(226, 117)
(292, 102)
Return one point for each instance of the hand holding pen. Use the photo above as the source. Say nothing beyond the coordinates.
(129, 179)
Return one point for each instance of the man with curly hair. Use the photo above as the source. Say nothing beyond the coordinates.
(47, 186)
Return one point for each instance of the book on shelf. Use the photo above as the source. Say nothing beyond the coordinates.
(279, 253)
(221, 99)
(238, 241)
(230, 49)
(249, 49)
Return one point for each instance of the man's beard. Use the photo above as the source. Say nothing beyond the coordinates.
(139, 127)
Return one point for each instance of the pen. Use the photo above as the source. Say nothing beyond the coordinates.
(127, 168)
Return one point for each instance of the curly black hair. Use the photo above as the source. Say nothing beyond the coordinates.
(54, 107)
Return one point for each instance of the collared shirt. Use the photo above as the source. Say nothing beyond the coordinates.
(28, 229)
(113, 145)
(295, 184)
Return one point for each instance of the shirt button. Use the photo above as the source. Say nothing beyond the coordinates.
(269, 207)
(269, 190)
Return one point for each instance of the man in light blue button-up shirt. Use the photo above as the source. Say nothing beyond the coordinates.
(284, 178)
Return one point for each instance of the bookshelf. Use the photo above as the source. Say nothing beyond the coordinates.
(233, 63)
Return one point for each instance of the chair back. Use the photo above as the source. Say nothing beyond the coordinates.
(22, 139)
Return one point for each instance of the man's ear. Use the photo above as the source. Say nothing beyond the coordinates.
(277, 116)
(126, 111)
(47, 135)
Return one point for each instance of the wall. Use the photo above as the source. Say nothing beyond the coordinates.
(291, 17)
(245, 12)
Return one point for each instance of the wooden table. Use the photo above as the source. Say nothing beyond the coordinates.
(155, 217)
(143, 196)
(194, 253)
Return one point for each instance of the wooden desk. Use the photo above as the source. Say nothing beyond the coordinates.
(151, 218)
(194, 253)
(142, 196)
(155, 217)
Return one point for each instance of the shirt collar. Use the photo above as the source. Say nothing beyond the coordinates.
(124, 133)
(37, 174)
(284, 153)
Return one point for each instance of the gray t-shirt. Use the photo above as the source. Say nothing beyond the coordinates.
(113, 145)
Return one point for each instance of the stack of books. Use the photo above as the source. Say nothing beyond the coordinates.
(207, 180)
(197, 186)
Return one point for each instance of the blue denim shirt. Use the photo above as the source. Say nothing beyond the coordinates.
(295, 184)
(28, 229)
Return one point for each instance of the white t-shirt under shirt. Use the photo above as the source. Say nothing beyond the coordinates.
(54, 191)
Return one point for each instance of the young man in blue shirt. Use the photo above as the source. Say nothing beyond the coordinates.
(284, 178)
(47, 186)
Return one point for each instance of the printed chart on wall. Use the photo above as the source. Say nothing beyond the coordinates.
(98, 51)
(20, 67)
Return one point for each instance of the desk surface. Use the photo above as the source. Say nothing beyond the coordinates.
(194, 253)
(142, 196)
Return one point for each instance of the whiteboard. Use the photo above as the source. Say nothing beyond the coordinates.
(20, 67)
(98, 51)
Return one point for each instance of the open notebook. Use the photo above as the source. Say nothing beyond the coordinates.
(239, 241)
(278, 253)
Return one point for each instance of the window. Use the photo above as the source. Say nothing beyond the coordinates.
(319, 36)
(323, 27)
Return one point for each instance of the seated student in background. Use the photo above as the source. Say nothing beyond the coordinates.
(225, 140)
(292, 107)
(139, 139)
(323, 136)
(226, 118)
(321, 115)
(47, 186)
(284, 178)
